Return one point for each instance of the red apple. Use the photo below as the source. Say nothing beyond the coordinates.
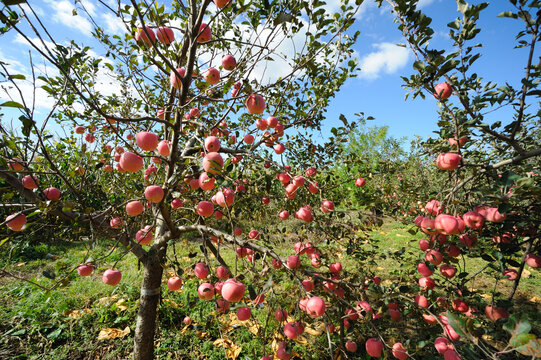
(164, 148)
(222, 273)
(79, 130)
(131, 162)
(451, 333)
(494, 314)
(421, 301)
(447, 224)
(205, 208)
(187, 320)
(399, 351)
(225, 197)
(327, 206)
(146, 140)
(293, 262)
(111, 277)
(134, 208)
(315, 307)
(351, 346)
(395, 315)
(451, 355)
(16, 222)
(427, 283)
(213, 163)
(284, 215)
(212, 144)
(360, 182)
(434, 256)
(174, 283)
(233, 290)
(228, 62)
(454, 142)
(293, 329)
(176, 204)
(424, 244)
(249, 139)
(473, 220)
(533, 260)
(244, 313)
(212, 76)
(205, 33)
(280, 315)
(201, 270)
(447, 270)
(448, 161)
(52, 193)
(255, 104)
(424, 270)
(145, 36)
(335, 268)
(175, 80)
(29, 182)
(85, 269)
(442, 344)
(165, 35)
(205, 291)
(442, 91)
(154, 193)
(305, 214)
(221, 4)
(374, 347)
(144, 235)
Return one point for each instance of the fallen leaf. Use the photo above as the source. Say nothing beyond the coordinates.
(318, 329)
(106, 301)
(526, 274)
(201, 334)
(20, 264)
(171, 302)
(75, 314)
(232, 350)
(111, 333)
(535, 299)
(120, 305)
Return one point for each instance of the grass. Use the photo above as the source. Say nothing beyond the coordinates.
(36, 324)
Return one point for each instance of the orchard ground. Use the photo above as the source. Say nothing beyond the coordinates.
(86, 319)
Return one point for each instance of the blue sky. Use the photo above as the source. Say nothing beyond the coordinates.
(376, 91)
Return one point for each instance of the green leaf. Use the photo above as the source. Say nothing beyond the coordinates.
(27, 125)
(517, 325)
(13, 104)
(17, 76)
(457, 323)
(521, 339)
(508, 14)
(532, 348)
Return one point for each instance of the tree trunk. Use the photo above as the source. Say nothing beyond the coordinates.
(143, 348)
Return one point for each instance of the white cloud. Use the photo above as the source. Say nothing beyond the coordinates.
(388, 58)
(64, 15)
(113, 24)
(422, 3)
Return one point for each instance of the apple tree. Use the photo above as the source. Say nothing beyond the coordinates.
(174, 128)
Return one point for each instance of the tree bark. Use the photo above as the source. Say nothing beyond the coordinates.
(143, 347)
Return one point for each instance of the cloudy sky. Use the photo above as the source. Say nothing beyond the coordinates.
(376, 90)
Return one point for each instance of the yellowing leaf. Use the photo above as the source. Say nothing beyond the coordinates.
(120, 305)
(111, 333)
(106, 301)
(75, 314)
(232, 350)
